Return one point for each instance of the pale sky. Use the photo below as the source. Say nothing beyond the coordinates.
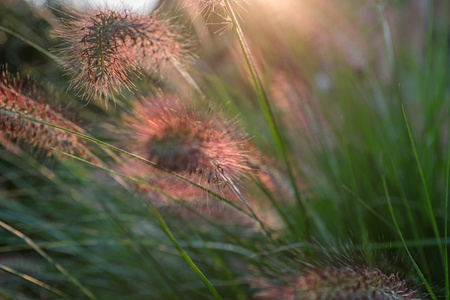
(133, 5)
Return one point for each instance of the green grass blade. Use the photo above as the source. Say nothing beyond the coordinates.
(266, 106)
(8, 296)
(34, 281)
(447, 180)
(181, 250)
(224, 247)
(422, 243)
(369, 208)
(156, 189)
(101, 143)
(41, 252)
(32, 44)
(427, 195)
(241, 197)
(277, 206)
(412, 223)
(419, 272)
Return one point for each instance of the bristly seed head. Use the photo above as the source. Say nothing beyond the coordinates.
(345, 283)
(186, 141)
(23, 97)
(103, 49)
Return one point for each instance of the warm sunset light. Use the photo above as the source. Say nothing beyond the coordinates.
(224, 149)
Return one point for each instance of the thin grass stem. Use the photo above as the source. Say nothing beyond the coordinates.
(277, 206)
(387, 36)
(163, 278)
(32, 44)
(41, 252)
(166, 229)
(372, 246)
(189, 79)
(34, 281)
(239, 194)
(419, 272)
(183, 253)
(152, 164)
(412, 224)
(227, 247)
(427, 195)
(447, 180)
(369, 208)
(140, 182)
(266, 106)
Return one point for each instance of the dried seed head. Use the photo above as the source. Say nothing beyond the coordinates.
(23, 98)
(103, 49)
(183, 140)
(345, 283)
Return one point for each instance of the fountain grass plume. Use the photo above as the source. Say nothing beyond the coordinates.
(22, 96)
(187, 141)
(343, 283)
(103, 50)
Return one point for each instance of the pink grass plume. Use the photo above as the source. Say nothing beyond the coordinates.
(23, 97)
(103, 50)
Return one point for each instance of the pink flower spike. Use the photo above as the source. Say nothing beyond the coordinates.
(186, 141)
(103, 49)
(23, 98)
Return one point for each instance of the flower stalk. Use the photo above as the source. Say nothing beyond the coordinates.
(266, 108)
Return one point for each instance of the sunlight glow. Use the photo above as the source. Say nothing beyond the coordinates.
(140, 6)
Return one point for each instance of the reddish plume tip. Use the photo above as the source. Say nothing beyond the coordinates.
(23, 97)
(344, 283)
(104, 49)
(183, 140)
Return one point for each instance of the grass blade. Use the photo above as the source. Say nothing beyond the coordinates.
(140, 182)
(277, 206)
(427, 195)
(266, 106)
(30, 43)
(419, 272)
(447, 180)
(41, 252)
(152, 164)
(183, 253)
(34, 281)
(166, 229)
(369, 208)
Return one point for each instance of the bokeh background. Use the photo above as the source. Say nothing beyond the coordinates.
(337, 74)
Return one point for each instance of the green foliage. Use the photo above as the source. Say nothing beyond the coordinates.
(347, 167)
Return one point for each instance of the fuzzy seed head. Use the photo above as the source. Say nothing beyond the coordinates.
(104, 49)
(346, 283)
(183, 140)
(23, 97)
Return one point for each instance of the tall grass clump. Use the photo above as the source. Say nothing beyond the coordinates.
(259, 150)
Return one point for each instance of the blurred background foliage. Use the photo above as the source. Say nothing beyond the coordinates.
(336, 73)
